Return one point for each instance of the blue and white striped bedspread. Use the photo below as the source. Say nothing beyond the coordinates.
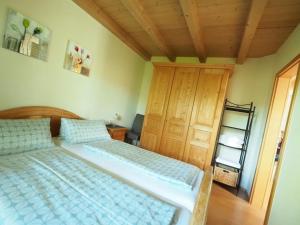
(175, 172)
(52, 187)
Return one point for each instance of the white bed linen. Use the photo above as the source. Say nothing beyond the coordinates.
(156, 187)
(228, 162)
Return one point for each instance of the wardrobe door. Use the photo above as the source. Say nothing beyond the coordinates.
(157, 107)
(179, 112)
(206, 115)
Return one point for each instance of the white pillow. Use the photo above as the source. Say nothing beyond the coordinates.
(80, 131)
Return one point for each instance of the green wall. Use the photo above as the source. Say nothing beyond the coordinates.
(116, 74)
(286, 204)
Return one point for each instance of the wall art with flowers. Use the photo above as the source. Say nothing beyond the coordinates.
(78, 59)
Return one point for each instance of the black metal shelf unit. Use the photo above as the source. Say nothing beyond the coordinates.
(249, 110)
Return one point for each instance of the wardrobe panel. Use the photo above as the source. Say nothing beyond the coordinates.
(206, 115)
(179, 112)
(208, 95)
(156, 108)
(198, 156)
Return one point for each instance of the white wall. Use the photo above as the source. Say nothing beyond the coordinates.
(252, 81)
(116, 74)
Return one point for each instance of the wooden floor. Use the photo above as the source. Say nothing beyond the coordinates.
(225, 208)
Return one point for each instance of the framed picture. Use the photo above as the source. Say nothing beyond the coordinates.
(78, 59)
(26, 36)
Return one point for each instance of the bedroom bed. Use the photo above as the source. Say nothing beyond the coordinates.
(96, 153)
(200, 197)
(50, 186)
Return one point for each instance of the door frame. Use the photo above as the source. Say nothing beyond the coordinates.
(294, 62)
(263, 174)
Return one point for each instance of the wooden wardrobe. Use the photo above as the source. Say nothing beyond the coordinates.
(184, 110)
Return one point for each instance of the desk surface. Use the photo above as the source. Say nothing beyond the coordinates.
(114, 126)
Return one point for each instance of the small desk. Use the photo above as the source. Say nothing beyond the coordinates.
(116, 132)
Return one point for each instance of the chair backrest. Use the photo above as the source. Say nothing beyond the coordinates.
(138, 123)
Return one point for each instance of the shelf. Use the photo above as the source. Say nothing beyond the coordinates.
(238, 109)
(236, 128)
(248, 110)
(234, 167)
(241, 149)
(229, 163)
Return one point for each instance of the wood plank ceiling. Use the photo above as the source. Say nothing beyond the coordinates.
(201, 28)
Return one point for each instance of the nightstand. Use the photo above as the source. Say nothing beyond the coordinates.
(116, 132)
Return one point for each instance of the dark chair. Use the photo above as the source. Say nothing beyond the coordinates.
(133, 135)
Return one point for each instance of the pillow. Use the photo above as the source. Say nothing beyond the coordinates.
(23, 135)
(79, 131)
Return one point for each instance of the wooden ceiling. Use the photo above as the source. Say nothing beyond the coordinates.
(201, 28)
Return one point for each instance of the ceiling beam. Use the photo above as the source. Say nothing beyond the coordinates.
(191, 15)
(93, 9)
(137, 10)
(255, 14)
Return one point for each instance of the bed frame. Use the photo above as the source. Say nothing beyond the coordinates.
(55, 114)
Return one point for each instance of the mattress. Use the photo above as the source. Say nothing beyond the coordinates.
(156, 187)
(52, 186)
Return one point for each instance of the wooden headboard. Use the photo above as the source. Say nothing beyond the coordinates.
(33, 112)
